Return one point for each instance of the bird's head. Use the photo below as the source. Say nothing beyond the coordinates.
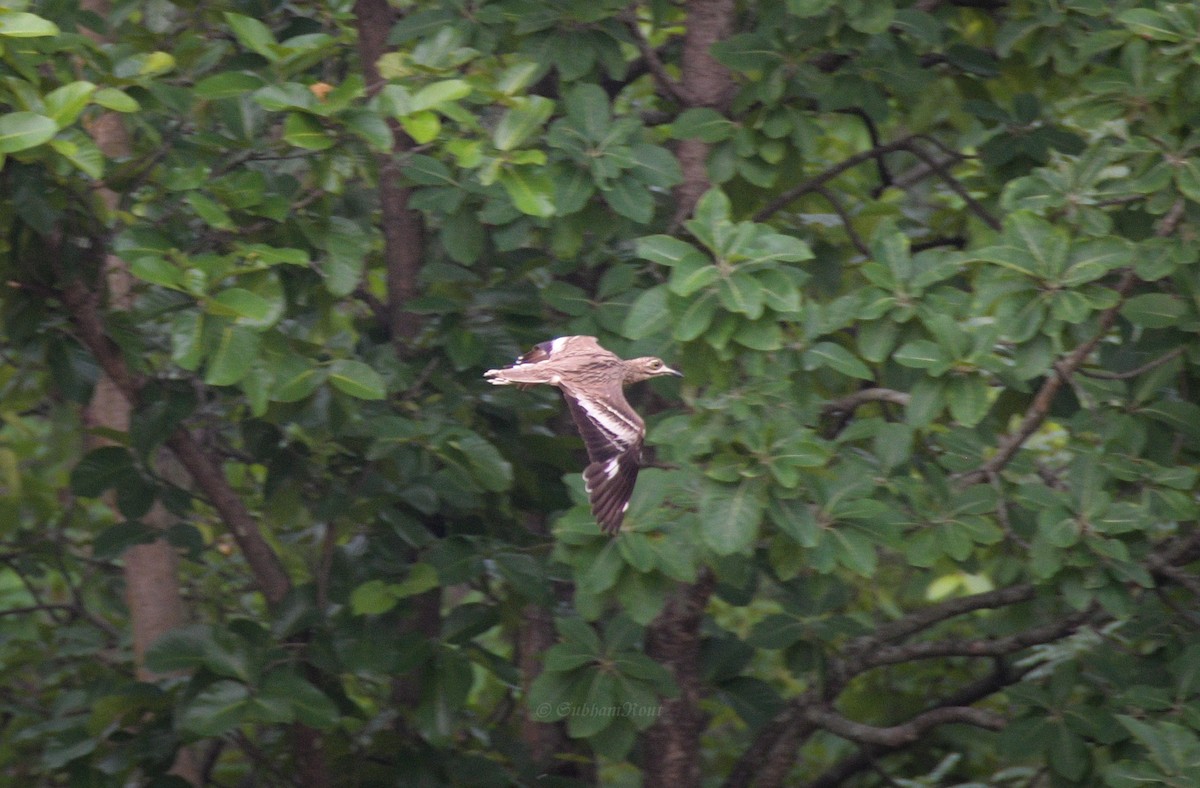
(647, 367)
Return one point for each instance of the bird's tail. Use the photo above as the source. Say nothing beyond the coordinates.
(515, 376)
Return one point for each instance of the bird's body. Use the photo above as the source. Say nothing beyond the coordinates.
(592, 381)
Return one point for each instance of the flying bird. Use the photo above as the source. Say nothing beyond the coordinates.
(592, 380)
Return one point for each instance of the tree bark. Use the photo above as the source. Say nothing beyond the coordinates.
(403, 233)
(673, 639)
(705, 83)
(150, 570)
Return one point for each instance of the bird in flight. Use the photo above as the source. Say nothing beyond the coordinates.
(592, 380)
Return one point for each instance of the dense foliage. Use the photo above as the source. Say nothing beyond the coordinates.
(923, 509)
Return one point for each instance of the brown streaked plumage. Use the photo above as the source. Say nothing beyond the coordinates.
(592, 381)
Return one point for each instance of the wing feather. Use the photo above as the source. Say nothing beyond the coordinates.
(613, 434)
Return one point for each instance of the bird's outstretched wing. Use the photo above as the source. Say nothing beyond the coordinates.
(613, 434)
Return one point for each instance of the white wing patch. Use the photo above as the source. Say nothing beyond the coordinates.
(616, 426)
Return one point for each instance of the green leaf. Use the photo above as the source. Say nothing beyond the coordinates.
(347, 245)
(240, 303)
(691, 274)
(308, 704)
(20, 24)
(669, 251)
(531, 192)
(101, 469)
(212, 212)
(629, 197)
(157, 271)
(371, 128)
(710, 218)
(230, 84)
(656, 166)
(730, 516)
(920, 354)
(355, 378)
(305, 131)
(215, 710)
(288, 96)
(702, 123)
(1031, 246)
(295, 378)
(696, 319)
(926, 403)
(588, 110)
(649, 315)
(230, 360)
(78, 149)
(423, 127)
(596, 712)
(435, 94)
(116, 100)
(372, 598)
(740, 292)
(1154, 310)
(780, 291)
(836, 357)
(1093, 259)
(487, 465)
(23, 130)
(764, 335)
(110, 543)
(253, 35)
(967, 397)
(1149, 23)
(181, 649)
(526, 116)
(64, 104)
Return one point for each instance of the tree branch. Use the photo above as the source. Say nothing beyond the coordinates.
(815, 182)
(840, 210)
(907, 732)
(940, 170)
(768, 760)
(1133, 373)
(269, 574)
(934, 614)
(853, 402)
(992, 647)
(667, 86)
(1000, 677)
(1037, 411)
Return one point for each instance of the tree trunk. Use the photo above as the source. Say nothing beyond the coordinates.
(403, 234)
(150, 570)
(672, 744)
(705, 83)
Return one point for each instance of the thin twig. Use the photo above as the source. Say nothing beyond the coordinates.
(1039, 408)
(1133, 373)
(906, 732)
(853, 402)
(955, 186)
(815, 182)
(855, 238)
(668, 86)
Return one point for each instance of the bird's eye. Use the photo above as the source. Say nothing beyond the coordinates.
(655, 364)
